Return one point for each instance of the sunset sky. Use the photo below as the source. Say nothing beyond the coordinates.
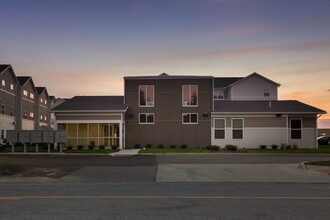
(86, 47)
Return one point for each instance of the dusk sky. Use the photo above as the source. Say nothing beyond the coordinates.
(86, 47)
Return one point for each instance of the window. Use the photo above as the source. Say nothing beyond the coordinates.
(25, 115)
(266, 92)
(41, 100)
(3, 83)
(25, 93)
(237, 125)
(2, 134)
(11, 111)
(189, 95)
(45, 102)
(146, 118)
(219, 128)
(295, 125)
(3, 109)
(146, 96)
(31, 115)
(31, 96)
(45, 118)
(12, 88)
(189, 118)
(218, 94)
(40, 117)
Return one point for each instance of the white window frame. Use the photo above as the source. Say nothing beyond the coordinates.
(189, 123)
(151, 104)
(216, 129)
(232, 129)
(216, 94)
(301, 128)
(146, 115)
(184, 103)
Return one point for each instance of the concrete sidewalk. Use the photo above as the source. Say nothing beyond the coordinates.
(274, 173)
(126, 152)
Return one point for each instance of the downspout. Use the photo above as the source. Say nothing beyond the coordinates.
(287, 129)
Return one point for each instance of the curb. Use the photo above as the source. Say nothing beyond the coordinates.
(303, 166)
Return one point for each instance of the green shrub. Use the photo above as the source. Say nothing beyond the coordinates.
(274, 146)
(80, 147)
(212, 147)
(288, 147)
(137, 146)
(69, 147)
(114, 147)
(294, 146)
(231, 147)
(148, 145)
(160, 146)
(183, 146)
(283, 146)
(262, 147)
(173, 146)
(101, 147)
(91, 147)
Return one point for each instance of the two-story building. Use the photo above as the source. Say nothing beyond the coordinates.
(190, 110)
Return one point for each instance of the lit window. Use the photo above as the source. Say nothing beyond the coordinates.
(219, 128)
(3, 83)
(189, 118)
(295, 126)
(31, 96)
(45, 118)
(237, 125)
(11, 87)
(45, 102)
(189, 95)
(146, 118)
(41, 117)
(25, 93)
(146, 96)
(31, 115)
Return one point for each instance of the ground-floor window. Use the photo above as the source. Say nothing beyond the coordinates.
(295, 126)
(95, 134)
(219, 128)
(189, 118)
(146, 118)
(237, 126)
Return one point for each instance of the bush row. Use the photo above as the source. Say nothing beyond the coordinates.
(282, 146)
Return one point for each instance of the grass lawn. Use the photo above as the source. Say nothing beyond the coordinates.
(172, 150)
(87, 151)
(325, 149)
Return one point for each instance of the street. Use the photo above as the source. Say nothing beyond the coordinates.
(103, 187)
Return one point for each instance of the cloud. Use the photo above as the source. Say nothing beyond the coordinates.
(245, 31)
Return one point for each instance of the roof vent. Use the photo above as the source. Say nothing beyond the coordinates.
(164, 74)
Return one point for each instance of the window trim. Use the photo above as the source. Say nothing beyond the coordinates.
(153, 95)
(295, 129)
(147, 123)
(224, 129)
(232, 129)
(189, 96)
(266, 92)
(189, 123)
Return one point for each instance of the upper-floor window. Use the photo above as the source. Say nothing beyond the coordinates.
(218, 94)
(146, 118)
(45, 118)
(189, 118)
(266, 92)
(25, 93)
(3, 109)
(41, 100)
(11, 111)
(189, 95)
(12, 88)
(41, 117)
(45, 102)
(31, 115)
(3, 84)
(295, 126)
(237, 125)
(146, 96)
(31, 96)
(25, 115)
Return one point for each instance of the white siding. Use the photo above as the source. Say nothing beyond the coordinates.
(6, 123)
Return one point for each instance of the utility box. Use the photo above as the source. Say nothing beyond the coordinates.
(12, 136)
(24, 137)
(36, 137)
(60, 137)
(48, 137)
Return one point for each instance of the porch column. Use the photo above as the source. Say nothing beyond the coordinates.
(121, 135)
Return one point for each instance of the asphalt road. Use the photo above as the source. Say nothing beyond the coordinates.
(165, 201)
(104, 187)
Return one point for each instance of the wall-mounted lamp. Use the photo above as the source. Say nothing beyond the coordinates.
(205, 114)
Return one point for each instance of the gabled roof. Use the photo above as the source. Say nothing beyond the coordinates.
(4, 67)
(93, 104)
(40, 90)
(255, 74)
(264, 107)
(221, 82)
(22, 80)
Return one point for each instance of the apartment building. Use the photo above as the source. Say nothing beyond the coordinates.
(190, 110)
(23, 106)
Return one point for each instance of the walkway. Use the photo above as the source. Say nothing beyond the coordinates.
(126, 152)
